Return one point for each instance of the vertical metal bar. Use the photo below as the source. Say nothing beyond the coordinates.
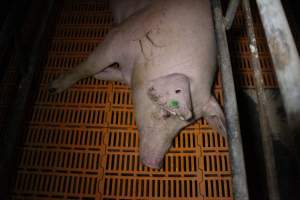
(285, 57)
(266, 135)
(230, 13)
(11, 26)
(11, 136)
(239, 182)
(12, 21)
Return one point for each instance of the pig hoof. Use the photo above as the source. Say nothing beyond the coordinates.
(54, 87)
(58, 85)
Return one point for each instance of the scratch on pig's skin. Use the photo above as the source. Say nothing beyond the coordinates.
(142, 50)
(151, 41)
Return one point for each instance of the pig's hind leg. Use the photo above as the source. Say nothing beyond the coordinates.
(104, 55)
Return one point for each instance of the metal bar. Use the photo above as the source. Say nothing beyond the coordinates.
(12, 135)
(230, 13)
(239, 182)
(285, 57)
(12, 21)
(266, 135)
(11, 26)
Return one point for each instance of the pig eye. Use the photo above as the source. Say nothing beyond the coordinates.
(151, 88)
(177, 91)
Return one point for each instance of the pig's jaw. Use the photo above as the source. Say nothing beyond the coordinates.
(156, 164)
(156, 139)
(152, 155)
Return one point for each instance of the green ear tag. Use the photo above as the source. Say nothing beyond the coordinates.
(173, 104)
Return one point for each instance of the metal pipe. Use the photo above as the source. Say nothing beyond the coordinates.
(13, 20)
(9, 140)
(11, 26)
(285, 57)
(239, 178)
(266, 135)
(230, 13)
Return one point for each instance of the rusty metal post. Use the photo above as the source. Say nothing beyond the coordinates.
(239, 181)
(285, 57)
(230, 13)
(266, 135)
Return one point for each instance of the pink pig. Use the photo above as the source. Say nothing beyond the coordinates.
(166, 53)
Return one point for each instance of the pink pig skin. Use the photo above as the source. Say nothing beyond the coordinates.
(166, 52)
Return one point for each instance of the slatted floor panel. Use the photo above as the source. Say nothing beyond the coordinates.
(83, 143)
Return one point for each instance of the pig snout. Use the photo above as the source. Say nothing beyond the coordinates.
(156, 139)
(152, 151)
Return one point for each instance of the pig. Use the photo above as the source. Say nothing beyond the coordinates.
(166, 53)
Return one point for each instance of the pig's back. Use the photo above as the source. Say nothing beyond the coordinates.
(181, 40)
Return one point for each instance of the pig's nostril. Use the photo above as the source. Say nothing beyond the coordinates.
(152, 163)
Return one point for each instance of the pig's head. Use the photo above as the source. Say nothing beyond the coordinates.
(172, 94)
(168, 94)
(157, 130)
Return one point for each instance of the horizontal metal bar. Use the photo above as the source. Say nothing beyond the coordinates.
(239, 182)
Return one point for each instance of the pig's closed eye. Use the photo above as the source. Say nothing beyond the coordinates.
(177, 91)
(151, 88)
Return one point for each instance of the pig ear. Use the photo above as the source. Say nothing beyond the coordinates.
(215, 116)
(172, 94)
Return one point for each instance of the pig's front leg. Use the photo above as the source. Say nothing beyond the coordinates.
(104, 55)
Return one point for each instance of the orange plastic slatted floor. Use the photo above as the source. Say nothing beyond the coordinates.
(83, 143)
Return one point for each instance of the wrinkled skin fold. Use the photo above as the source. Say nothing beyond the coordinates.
(166, 53)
